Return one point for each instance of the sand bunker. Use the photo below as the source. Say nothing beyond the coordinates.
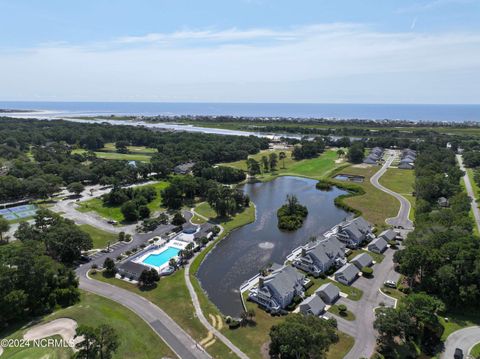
(65, 327)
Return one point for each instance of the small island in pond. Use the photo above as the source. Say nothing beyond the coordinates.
(291, 214)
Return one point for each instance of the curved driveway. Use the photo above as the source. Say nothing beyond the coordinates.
(464, 339)
(401, 220)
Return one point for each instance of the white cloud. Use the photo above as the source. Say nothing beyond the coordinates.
(423, 6)
(320, 63)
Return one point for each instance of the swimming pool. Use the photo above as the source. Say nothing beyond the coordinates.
(158, 260)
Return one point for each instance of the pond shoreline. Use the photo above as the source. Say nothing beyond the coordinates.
(245, 252)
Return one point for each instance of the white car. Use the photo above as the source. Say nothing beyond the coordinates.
(390, 284)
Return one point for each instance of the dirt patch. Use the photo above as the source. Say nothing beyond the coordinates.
(265, 350)
(362, 165)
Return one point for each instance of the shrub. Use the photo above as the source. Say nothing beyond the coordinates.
(324, 185)
(234, 324)
(367, 271)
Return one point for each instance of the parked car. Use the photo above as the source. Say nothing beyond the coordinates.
(458, 354)
(390, 284)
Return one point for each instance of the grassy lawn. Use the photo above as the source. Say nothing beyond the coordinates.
(458, 320)
(315, 168)
(135, 156)
(375, 205)
(114, 212)
(100, 238)
(401, 181)
(110, 147)
(393, 292)
(171, 294)
(475, 352)
(348, 314)
(342, 347)
(475, 188)
(137, 339)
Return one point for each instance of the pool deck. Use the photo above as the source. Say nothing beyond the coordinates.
(180, 241)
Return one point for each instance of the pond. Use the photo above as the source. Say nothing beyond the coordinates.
(349, 178)
(246, 250)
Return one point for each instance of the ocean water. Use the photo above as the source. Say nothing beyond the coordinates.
(437, 113)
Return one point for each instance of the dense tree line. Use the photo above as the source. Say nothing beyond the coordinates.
(224, 200)
(222, 174)
(308, 149)
(32, 283)
(62, 239)
(33, 277)
(302, 336)
(442, 256)
(52, 163)
(414, 323)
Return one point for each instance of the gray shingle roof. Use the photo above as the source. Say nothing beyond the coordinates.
(349, 272)
(132, 268)
(327, 249)
(330, 290)
(357, 227)
(362, 260)
(283, 280)
(388, 235)
(379, 243)
(314, 304)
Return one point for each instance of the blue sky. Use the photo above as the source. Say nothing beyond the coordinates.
(366, 51)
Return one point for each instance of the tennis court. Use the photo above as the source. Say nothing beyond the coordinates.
(18, 212)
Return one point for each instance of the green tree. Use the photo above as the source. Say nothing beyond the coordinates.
(178, 219)
(265, 163)
(340, 153)
(301, 337)
(355, 152)
(282, 155)
(130, 211)
(109, 266)
(253, 167)
(98, 343)
(75, 188)
(4, 227)
(148, 278)
(273, 161)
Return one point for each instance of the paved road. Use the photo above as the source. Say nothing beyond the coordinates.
(468, 186)
(401, 220)
(176, 338)
(364, 309)
(464, 339)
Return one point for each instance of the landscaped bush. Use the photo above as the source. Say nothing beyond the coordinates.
(234, 324)
(342, 309)
(324, 185)
(367, 271)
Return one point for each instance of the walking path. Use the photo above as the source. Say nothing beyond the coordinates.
(401, 220)
(198, 308)
(463, 339)
(471, 194)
